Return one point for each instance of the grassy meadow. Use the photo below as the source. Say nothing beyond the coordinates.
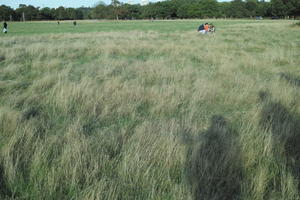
(150, 110)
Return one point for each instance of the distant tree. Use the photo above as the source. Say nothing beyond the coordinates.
(60, 13)
(170, 9)
(133, 11)
(251, 7)
(238, 9)
(7, 13)
(187, 9)
(53, 13)
(293, 7)
(182, 10)
(70, 13)
(85, 13)
(22, 5)
(101, 11)
(123, 12)
(283, 8)
(263, 9)
(224, 9)
(279, 8)
(78, 14)
(209, 8)
(148, 11)
(160, 10)
(116, 8)
(46, 14)
(297, 10)
(27, 12)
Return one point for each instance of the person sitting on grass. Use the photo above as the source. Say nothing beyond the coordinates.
(202, 28)
(4, 27)
(206, 27)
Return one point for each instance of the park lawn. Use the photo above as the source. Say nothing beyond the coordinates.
(150, 110)
(84, 26)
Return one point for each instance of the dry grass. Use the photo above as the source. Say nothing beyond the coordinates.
(147, 115)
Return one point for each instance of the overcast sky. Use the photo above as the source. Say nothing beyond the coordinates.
(57, 3)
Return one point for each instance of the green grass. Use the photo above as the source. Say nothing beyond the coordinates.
(150, 110)
(297, 24)
(29, 28)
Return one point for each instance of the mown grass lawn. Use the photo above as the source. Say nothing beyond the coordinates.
(29, 28)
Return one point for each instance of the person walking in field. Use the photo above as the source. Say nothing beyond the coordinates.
(5, 27)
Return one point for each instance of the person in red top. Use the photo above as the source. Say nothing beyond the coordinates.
(206, 27)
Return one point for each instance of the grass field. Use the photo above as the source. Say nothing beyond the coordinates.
(150, 110)
(29, 28)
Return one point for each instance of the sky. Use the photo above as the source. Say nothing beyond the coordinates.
(57, 3)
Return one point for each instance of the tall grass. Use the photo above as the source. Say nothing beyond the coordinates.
(148, 115)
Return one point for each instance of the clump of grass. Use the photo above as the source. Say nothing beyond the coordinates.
(297, 24)
(2, 58)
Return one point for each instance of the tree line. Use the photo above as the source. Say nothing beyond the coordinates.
(24, 13)
(169, 9)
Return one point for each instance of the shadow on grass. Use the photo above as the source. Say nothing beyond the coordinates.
(285, 128)
(4, 191)
(293, 80)
(213, 168)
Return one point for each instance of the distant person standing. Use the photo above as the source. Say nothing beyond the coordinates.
(58, 22)
(74, 23)
(5, 27)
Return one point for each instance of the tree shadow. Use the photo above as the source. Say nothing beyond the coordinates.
(214, 167)
(285, 128)
(293, 80)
